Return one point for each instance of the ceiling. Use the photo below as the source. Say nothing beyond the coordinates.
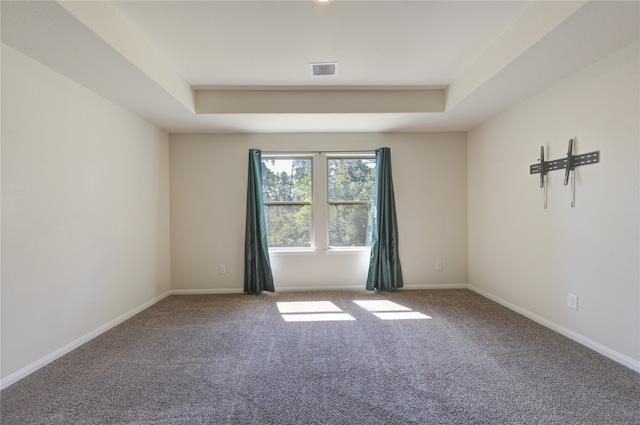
(243, 66)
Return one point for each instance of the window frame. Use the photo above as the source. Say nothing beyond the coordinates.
(329, 203)
(320, 205)
(292, 157)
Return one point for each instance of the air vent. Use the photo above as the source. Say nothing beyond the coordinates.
(325, 68)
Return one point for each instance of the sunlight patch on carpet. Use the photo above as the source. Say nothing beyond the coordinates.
(317, 317)
(380, 305)
(307, 307)
(327, 311)
(401, 315)
(388, 310)
(312, 311)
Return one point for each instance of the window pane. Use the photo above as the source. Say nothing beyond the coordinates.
(349, 225)
(286, 180)
(288, 226)
(351, 179)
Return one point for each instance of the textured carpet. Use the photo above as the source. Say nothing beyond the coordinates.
(234, 359)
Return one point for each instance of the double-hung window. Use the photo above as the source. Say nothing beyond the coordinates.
(350, 201)
(288, 199)
(318, 201)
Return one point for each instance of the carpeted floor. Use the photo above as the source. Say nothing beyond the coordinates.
(234, 359)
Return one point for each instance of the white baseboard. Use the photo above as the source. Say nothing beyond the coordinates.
(438, 286)
(207, 291)
(595, 346)
(313, 289)
(362, 288)
(319, 289)
(16, 376)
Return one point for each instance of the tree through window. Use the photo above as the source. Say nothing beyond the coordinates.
(350, 199)
(345, 189)
(287, 190)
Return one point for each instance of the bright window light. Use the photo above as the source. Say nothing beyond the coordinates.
(307, 307)
(380, 305)
(401, 315)
(388, 310)
(317, 317)
(326, 311)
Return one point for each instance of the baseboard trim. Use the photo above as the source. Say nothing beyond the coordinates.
(595, 346)
(29, 369)
(313, 289)
(319, 289)
(206, 291)
(437, 286)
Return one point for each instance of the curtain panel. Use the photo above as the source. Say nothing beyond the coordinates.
(257, 267)
(385, 272)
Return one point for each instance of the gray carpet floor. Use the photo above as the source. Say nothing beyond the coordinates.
(234, 359)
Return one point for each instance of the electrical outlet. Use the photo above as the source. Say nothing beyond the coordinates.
(223, 270)
(439, 265)
(572, 301)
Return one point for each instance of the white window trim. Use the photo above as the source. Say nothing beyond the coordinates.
(319, 205)
(341, 249)
(312, 248)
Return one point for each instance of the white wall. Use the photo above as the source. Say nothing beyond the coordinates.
(85, 212)
(208, 198)
(531, 257)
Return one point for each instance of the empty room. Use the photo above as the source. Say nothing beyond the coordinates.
(320, 212)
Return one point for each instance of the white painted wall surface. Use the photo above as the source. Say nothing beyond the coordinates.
(532, 257)
(208, 199)
(85, 212)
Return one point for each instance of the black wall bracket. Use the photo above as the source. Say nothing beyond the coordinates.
(569, 163)
(584, 159)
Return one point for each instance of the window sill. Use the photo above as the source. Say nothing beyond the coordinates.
(327, 251)
(293, 251)
(366, 250)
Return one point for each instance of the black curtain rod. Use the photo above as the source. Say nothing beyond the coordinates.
(294, 152)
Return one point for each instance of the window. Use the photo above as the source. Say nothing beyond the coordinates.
(350, 199)
(318, 201)
(287, 190)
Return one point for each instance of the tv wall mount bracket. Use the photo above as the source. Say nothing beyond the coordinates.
(568, 164)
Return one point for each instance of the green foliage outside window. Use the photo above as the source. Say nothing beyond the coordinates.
(287, 188)
(350, 186)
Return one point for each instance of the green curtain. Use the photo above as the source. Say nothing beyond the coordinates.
(385, 273)
(257, 267)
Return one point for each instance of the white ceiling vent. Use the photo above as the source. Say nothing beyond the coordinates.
(324, 68)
